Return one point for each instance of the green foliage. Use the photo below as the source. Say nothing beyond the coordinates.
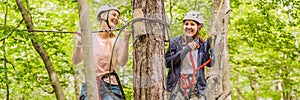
(128, 89)
(26, 71)
(262, 36)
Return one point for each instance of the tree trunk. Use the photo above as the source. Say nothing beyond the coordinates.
(149, 61)
(43, 54)
(253, 83)
(88, 51)
(218, 83)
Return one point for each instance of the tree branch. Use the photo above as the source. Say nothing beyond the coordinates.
(43, 54)
(96, 2)
(6, 11)
(8, 62)
(45, 90)
(12, 31)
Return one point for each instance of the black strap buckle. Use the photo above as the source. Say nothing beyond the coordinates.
(123, 97)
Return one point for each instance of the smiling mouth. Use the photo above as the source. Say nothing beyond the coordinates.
(188, 31)
(115, 22)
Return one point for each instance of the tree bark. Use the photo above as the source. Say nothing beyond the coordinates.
(218, 83)
(88, 51)
(149, 61)
(43, 54)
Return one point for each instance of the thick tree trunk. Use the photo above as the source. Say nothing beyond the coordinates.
(149, 63)
(43, 54)
(218, 83)
(88, 51)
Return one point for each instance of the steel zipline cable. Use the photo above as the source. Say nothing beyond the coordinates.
(96, 32)
(107, 30)
(67, 31)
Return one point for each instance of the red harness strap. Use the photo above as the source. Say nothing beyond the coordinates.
(183, 78)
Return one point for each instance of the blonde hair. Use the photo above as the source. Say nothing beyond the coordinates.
(101, 19)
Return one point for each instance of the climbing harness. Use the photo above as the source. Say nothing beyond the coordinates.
(122, 96)
(183, 78)
(188, 81)
(106, 93)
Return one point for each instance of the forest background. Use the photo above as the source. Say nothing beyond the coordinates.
(263, 41)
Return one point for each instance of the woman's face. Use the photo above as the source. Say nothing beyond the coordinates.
(191, 28)
(113, 18)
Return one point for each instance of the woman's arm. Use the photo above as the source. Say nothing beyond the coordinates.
(174, 55)
(123, 57)
(209, 52)
(77, 54)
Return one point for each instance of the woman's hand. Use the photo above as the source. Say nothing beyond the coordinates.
(77, 54)
(127, 34)
(78, 38)
(212, 32)
(193, 45)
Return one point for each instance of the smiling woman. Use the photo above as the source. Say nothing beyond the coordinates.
(108, 18)
(185, 58)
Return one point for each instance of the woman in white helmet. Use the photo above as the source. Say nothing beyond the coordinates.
(108, 18)
(186, 56)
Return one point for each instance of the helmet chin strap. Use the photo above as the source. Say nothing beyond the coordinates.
(107, 22)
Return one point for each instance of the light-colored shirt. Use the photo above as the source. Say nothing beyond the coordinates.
(186, 66)
(102, 52)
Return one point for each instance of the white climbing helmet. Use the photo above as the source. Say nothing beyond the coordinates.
(195, 16)
(104, 8)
